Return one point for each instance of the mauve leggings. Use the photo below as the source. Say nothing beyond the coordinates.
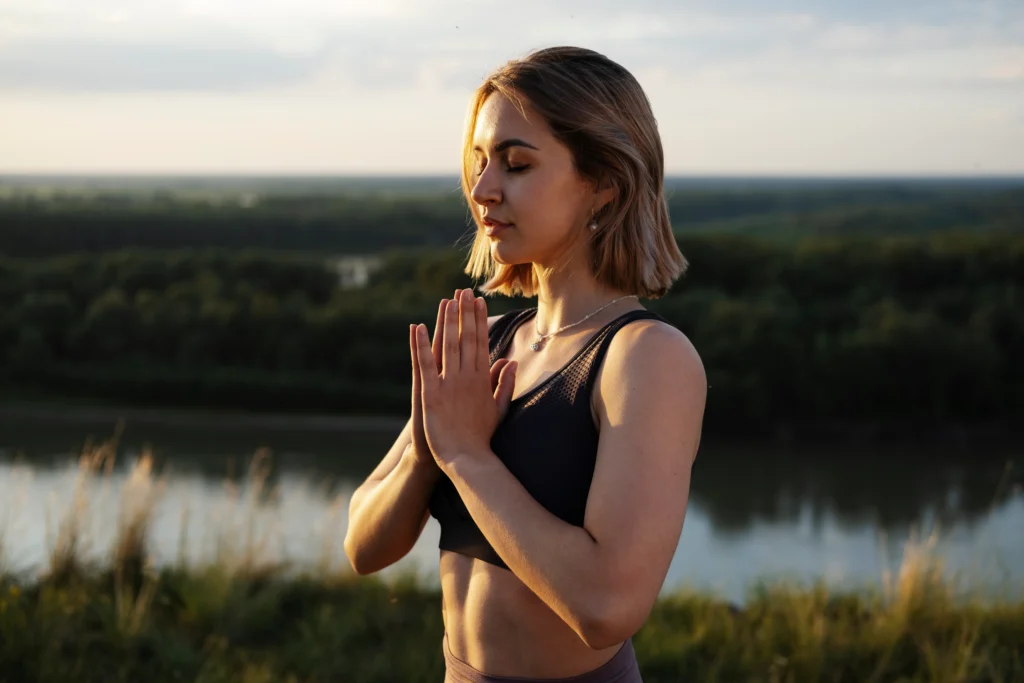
(622, 668)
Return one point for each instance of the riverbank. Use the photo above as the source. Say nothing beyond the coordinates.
(248, 614)
(83, 411)
(248, 624)
(86, 411)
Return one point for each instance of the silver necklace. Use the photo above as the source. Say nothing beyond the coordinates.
(541, 338)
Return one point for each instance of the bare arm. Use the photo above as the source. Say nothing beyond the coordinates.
(388, 511)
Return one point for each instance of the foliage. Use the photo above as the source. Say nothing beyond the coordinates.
(344, 219)
(916, 329)
(205, 625)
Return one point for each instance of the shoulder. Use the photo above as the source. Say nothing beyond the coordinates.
(649, 343)
(656, 357)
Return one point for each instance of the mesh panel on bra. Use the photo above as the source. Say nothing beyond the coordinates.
(566, 386)
(575, 376)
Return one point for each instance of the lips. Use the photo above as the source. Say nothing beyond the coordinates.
(493, 227)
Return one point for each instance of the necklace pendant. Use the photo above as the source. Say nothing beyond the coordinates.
(537, 344)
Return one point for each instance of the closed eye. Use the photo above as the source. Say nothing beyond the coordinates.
(510, 169)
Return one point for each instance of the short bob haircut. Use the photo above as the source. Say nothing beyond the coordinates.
(600, 113)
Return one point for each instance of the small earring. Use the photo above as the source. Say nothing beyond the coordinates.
(593, 224)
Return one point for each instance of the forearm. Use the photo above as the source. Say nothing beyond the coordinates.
(386, 518)
(558, 561)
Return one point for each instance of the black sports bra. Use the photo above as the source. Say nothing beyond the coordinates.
(547, 440)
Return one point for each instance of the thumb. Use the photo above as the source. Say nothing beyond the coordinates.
(415, 369)
(496, 374)
(506, 387)
(417, 392)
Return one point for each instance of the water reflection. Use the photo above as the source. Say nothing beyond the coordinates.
(841, 513)
(887, 487)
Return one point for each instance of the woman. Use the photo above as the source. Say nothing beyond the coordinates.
(554, 443)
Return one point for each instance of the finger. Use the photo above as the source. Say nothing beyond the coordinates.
(483, 353)
(450, 354)
(467, 330)
(415, 360)
(495, 372)
(439, 334)
(506, 387)
(429, 380)
(415, 376)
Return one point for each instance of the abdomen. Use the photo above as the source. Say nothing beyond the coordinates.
(499, 626)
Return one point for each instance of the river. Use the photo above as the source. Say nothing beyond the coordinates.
(841, 513)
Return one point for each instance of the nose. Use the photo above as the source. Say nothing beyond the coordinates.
(487, 189)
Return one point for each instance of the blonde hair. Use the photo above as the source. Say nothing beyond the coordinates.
(600, 113)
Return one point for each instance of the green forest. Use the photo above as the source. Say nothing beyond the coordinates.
(48, 221)
(842, 304)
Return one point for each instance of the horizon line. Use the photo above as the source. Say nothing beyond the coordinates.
(810, 175)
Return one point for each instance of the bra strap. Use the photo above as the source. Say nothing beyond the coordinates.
(606, 339)
(504, 328)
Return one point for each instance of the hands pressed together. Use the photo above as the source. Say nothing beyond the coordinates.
(458, 397)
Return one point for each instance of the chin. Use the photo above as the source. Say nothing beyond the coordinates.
(503, 254)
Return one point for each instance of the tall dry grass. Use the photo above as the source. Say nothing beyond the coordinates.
(242, 545)
(244, 615)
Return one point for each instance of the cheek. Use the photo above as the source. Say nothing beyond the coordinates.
(544, 208)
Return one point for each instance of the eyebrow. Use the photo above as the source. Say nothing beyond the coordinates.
(505, 144)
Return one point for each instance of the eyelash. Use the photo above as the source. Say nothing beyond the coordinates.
(510, 169)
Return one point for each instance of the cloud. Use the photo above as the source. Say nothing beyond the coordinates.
(221, 46)
(100, 67)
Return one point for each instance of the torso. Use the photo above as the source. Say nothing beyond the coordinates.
(492, 620)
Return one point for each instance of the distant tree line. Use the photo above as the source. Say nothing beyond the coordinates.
(34, 225)
(927, 328)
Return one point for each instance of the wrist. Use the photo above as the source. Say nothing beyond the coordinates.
(465, 464)
(419, 466)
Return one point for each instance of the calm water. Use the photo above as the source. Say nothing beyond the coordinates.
(839, 513)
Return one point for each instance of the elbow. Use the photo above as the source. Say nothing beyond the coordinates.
(361, 564)
(358, 547)
(600, 636)
(611, 621)
(368, 556)
(359, 568)
(614, 606)
(354, 560)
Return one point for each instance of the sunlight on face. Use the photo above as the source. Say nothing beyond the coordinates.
(526, 177)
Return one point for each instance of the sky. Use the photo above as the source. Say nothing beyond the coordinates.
(739, 87)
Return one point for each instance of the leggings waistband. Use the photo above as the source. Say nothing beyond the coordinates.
(621, 668)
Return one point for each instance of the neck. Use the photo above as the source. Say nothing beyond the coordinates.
(565, 297)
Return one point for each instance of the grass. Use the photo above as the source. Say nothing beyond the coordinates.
(246, 617)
